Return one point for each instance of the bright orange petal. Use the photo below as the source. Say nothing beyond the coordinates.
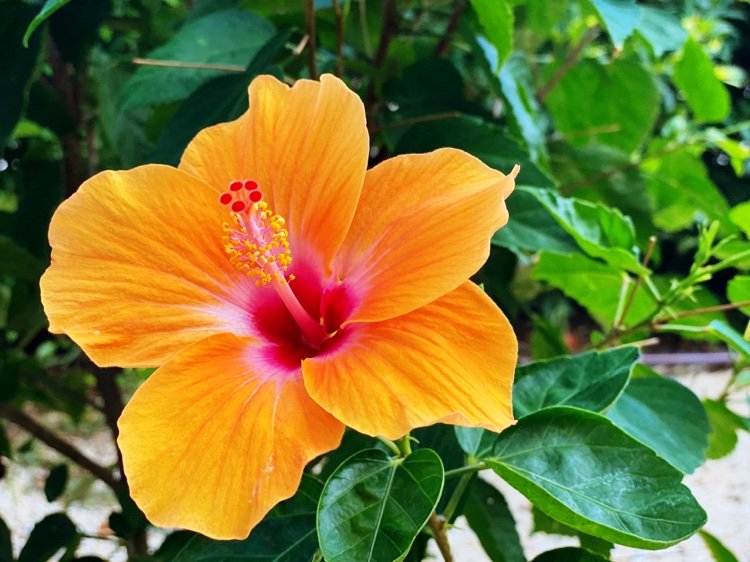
(138, 267)
(307, 146)
(423, 227)
(218, 436)
(451, 361)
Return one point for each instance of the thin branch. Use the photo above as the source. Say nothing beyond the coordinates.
(311, 45)
(704, 310)
(190, 65)
(445, 41)
(106, 385)
(568, 63)
(437, 524)
(415, 120)
(458, 493)
(387, 31)
(28, 424)
(365, 28)
(646, 258)
(339, 14)
(468, 469)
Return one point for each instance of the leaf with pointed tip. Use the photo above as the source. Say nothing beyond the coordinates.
(373, 506)
(491, 520)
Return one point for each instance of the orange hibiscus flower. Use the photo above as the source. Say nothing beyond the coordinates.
(285, 292)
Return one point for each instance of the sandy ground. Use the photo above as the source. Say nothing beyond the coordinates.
(719, 486)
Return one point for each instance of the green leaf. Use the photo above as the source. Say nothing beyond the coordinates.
(738, 290)
(56, 481)
(717, 328)
(218, 100)
(49, 8)
(683, 193)
(569, 554)
(667, 417)
(694, 75)
(517, 86)
(599, 231)
(287, 534)
(543, 523)
(594, 285)
(569, 462)
(620, 17)
(496, 18)
(17, 262)
(740, 216)
(724, 425)
(532, 227)
(6, 546)
(228, 37)
(662, 30)
(16, 65)
(373, 506)
(50, 535)
(595, 545)
(591, 381)
(485, 141)
(614, 104)
(720, 552)
(491, 520)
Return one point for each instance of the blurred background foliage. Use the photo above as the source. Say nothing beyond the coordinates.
(631, 219)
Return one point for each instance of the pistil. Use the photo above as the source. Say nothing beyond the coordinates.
(257, 244)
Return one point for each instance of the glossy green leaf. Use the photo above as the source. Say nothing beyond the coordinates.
(591, 381)
(51, 534)
(694, 75)
(16, 64)
(595, 545)
(683, 193)
(287, 534)
(667, 417)
(738, 290)
(533, 227)
(491, 520)
(49, 8)
(496, 19)
(594, 285)
(568, 462)
(614, 104)
(599, 231)
(485, 141)
(569, 554)
(6, 546)
(543, 523)
(724, 425)
(719, 552)
(373, 506)
(228, 37)
(620, 17)
(662, 29)
(56, 481)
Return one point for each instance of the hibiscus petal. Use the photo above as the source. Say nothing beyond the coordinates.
(139, 269)
(422, 227)
(218, 436)
(451, 361)
(306, 146)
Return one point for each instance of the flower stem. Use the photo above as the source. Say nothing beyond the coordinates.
(390, 445)
(457, 494)
(404, 445)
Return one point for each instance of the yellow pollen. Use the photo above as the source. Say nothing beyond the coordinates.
(257, 244)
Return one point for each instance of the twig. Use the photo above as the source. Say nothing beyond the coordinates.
(458, 493)
(437, 524)
(106, 385)
(704, 310)
(415, 120)
(387, 31)
(568, 63)
(445, 41)
(646, 258)
(301, 45)
(190, 65)
(25, 422)
(339, 14)
(311, 46)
